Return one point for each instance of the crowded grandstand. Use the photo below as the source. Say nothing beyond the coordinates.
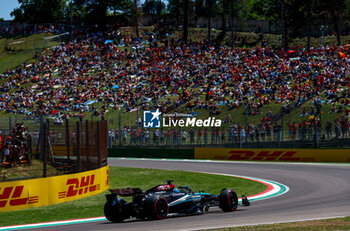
(103, 72)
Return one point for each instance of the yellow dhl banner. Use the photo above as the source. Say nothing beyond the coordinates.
(273, 154)
(51, 190)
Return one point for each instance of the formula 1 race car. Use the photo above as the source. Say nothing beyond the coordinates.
(163, 200)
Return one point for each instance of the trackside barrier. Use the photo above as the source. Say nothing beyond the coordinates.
(52, 190)
(270, 154)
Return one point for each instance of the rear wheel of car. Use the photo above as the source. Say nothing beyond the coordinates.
(156, 207)
(115, 213)
(228, 200)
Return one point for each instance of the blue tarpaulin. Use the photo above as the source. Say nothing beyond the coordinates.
(90, 102)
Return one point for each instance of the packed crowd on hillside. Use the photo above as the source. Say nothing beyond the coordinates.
(71, 78)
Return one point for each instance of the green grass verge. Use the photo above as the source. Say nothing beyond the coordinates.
(18, 50)
(23, 172)
(121, 177)
(12, 59)
(316, 225)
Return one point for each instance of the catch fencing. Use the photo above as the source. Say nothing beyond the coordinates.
(280, 134)
(73, 147)
(66, 147)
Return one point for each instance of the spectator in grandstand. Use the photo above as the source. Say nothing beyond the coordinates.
(337, 128)
(191, 133)
(205, 135)
(184, 137)
(223, 135)
(6, 156)
(277, 132)
(242, 133)
(251, 132)
(162, 136)
(199, 137)
(156, 134)
(329, 129)
(344, 125)
(168, 137)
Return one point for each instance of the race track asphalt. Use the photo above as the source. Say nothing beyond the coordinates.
(316, 191)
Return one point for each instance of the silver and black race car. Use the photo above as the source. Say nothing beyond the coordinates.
(162, 200)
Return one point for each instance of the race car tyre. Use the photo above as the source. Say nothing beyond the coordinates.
(228, 200)
(156, 207)
(115, 213)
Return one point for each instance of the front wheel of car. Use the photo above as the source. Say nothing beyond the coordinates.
(228, 200)
(156, 207)
(115, 213)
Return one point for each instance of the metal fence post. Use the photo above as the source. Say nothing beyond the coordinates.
(43, 151)
(78, 146)
(48, 142)
(38, 145)
(29, 151)
(87, 143)
(67, 139)
(120, 131)
(98, 144)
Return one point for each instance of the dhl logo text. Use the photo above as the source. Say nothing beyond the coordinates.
(78, 186)
(12, 196)
(263, 155)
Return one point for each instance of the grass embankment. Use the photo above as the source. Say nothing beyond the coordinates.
(35, 170)
(121, 177)
(18, 50)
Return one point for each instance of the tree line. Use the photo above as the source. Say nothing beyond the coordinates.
(291, 14)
